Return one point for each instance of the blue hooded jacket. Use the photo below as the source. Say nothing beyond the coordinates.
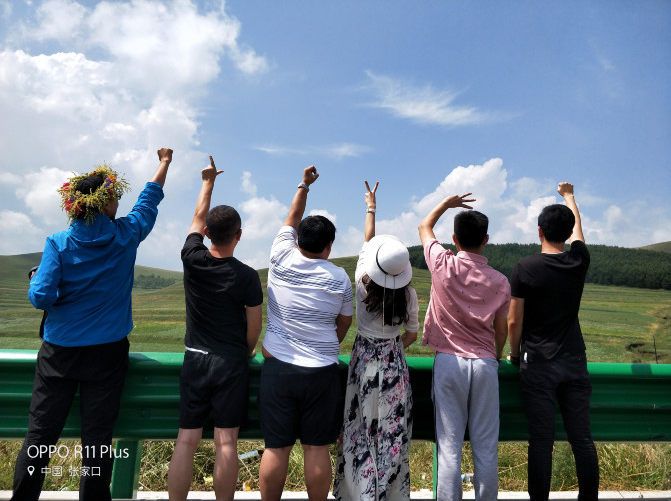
(85, 278)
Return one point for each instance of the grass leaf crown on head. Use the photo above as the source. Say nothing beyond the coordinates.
(78, 205)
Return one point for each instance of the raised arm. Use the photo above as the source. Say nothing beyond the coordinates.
(566, 191)
(297, 208)
(208, 175)
(164, 157)
(426, 226)
(369, 225)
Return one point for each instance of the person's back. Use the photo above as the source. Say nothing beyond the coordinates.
(217, 292)
(84, 284)
(93, 264)
(466, 295)
(305, 296)
(547, 343)
(309, 312)
(465, 325)
(552, 286)
(223, 321)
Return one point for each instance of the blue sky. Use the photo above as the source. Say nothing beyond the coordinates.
(504, 99)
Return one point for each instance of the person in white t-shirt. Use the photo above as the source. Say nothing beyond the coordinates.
(309, 313)
(373, 458)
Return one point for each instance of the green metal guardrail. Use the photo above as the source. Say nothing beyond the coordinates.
(630, 402)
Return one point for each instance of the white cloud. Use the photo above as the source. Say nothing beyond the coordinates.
(323, 212)
(39, 194)
(273, 149)
(125, 78)
(425, 105)
(337, 151)
(57, 20)
(262, 217)
(247, 186)
(9, 178)
(344, 150)
(513, 207)
(18, 234)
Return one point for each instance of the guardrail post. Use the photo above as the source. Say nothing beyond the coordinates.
(126, 472)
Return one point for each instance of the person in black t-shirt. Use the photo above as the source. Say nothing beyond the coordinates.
(223, 324)
(547, 344)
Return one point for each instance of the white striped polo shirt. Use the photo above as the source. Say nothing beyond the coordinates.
(304, 298)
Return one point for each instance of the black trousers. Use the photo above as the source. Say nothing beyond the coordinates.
(99, 373)
(562, 382)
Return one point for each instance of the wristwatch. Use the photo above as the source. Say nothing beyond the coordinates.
(371, 210)
(304, 186)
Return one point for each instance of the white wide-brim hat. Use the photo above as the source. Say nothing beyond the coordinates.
(387, 262)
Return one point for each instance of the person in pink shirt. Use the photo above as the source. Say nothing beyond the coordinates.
(466, 325)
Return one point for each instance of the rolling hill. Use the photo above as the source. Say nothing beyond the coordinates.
(621, 324)
(660, 247)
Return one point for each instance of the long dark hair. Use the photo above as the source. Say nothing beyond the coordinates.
(395, 302)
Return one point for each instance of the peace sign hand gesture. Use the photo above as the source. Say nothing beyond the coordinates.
(369, 197)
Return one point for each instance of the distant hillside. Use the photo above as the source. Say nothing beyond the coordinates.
(647, 269)
(609, 265)
(15, 269)
(660, 247)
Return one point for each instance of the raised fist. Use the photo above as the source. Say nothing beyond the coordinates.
(565, 188)
(165, 155)
(310, 175)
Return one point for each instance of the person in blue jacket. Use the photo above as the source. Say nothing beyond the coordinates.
(84, 283)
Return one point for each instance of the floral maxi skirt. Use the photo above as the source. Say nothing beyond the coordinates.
(373, 458)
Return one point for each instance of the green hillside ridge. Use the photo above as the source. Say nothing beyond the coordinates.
(608, 266)
(659, 247)
(619, 323)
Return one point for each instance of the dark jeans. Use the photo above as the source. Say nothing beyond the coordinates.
(562, 382)
(99, 372)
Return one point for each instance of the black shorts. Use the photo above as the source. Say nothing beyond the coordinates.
(211, 386)
(303, 403)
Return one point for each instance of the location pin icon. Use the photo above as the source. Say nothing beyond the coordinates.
(31, 470)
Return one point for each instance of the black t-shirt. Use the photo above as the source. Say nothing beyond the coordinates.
(551, 286)
(217, 291)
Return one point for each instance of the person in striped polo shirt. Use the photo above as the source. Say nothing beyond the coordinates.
(309, 313)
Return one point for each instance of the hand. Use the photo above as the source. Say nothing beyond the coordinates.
(310, 175)
(210, 172)
(564, 188)
(369, 197)
(459, 201)
(515, 360)
(165, 155)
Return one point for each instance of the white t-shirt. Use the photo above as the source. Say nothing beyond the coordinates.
(371, 324)
(304, 298)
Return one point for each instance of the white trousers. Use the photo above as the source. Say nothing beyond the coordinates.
(466, 392)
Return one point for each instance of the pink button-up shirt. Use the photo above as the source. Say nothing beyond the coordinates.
(466, 295)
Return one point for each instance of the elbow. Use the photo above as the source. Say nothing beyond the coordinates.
(40, 300)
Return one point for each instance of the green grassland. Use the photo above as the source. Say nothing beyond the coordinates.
(660, 247)
(620, 324)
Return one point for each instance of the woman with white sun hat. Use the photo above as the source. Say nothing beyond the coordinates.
(373, 456)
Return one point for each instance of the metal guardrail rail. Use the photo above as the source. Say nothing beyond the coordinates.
(630, 402)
